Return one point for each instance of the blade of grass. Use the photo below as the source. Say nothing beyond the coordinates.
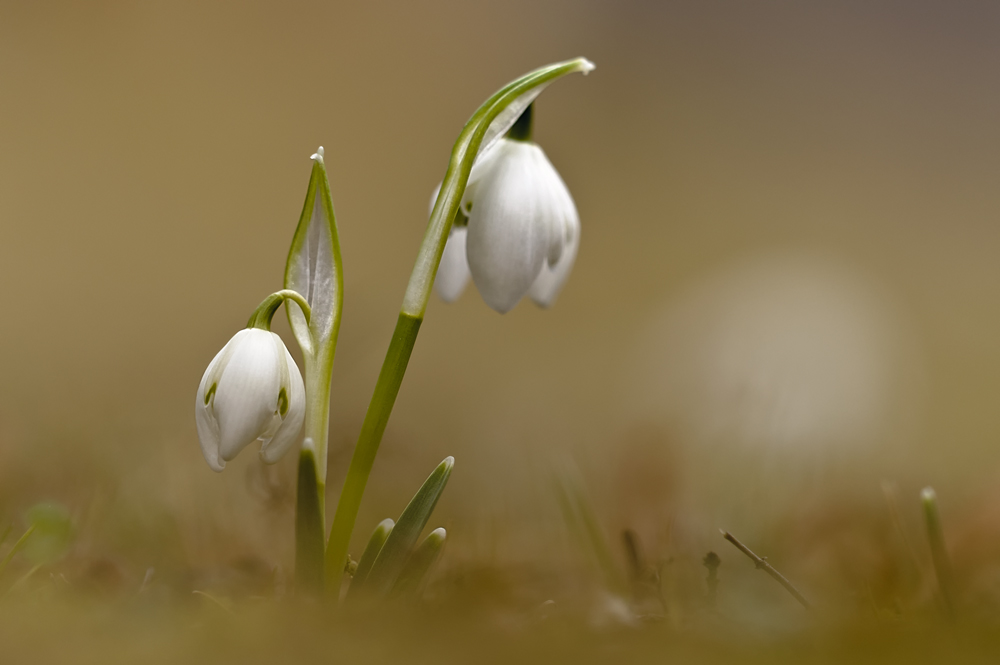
(16, 548)
(939, 553)
(767, 568)
(582, 521)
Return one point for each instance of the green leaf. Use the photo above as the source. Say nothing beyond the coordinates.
(314, 268)
(414, 574)
(394, 554)
(309, 569)
(371, 552)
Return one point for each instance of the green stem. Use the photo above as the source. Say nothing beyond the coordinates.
(261, 317)
(386, 389)
(415, 300)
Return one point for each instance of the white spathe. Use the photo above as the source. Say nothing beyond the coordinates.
(521, 216)
(251, 391)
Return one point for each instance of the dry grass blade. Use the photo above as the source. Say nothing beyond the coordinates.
(767, 568)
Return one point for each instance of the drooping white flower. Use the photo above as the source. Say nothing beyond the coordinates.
(521, 218)
(251, 391)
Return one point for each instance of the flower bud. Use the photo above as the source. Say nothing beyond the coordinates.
(251, 391)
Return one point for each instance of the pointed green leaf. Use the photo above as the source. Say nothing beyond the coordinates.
(398, 546)
(414, 574)
(368, 557)
(314, 267)
(309, 569)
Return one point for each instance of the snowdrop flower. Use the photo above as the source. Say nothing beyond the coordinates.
(251, 391)
(523, 229)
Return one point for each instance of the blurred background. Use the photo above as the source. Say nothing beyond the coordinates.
(785, 305)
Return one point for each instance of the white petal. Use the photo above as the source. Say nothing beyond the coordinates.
(480, 169)
(453, 272)
(204, 415)
(290, 429)
(550, 281)
(204, 407)
(554, 205)
(247, 391)
(565, 221)
(509, 234)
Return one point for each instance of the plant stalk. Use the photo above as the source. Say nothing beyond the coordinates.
(417, 294)
(762, 564)
(386, 389)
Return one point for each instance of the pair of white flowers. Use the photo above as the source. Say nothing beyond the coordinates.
(521, 230)
(520, 237)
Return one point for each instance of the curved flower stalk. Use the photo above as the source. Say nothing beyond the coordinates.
(487, 125)
(521, 229)
(251, 391)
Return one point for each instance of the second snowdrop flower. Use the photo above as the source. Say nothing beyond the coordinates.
(251, 391)
(522, 229)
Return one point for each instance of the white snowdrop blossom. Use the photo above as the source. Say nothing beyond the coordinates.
(251, 391)
(522, 233)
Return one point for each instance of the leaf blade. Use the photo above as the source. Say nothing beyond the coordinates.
(414, 574)
(314, 267)
(398, 546)
(372, 549)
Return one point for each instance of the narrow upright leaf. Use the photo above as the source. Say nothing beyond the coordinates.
(398, 546)
(368, 557)
(414, 574)
(314, 267)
